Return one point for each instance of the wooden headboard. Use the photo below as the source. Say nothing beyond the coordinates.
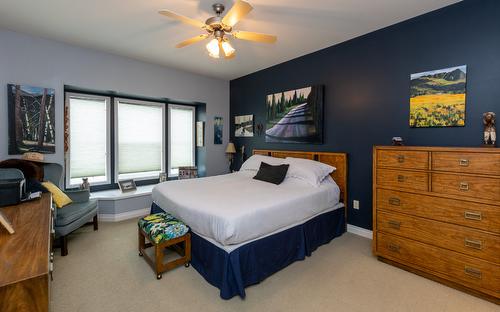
(338, 160)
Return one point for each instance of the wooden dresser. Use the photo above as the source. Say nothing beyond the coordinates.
(26, 258)
(436, 212)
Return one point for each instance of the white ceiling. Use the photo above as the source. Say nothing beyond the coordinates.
(133, 28)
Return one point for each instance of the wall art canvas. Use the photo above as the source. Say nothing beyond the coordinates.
(438, 98)
(295, 116)
(243, 126)
(217, 130)
(31, 119)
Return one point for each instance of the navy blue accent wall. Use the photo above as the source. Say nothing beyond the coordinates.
(367, 88)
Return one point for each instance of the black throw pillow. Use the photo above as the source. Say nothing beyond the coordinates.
(271, 174)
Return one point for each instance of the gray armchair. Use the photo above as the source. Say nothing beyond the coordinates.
(73, 216)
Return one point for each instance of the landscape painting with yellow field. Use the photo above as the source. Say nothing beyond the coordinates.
(438, 98)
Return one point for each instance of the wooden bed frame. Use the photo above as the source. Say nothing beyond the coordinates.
(337, 160)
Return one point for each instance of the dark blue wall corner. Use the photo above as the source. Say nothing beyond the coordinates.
(367, 88)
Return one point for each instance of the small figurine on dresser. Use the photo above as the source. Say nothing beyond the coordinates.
(490, 132)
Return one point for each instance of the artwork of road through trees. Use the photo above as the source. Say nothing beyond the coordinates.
(438, 98)
(31, 119)
(295, 116)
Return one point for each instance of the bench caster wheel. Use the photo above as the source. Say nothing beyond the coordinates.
(158, 277)
(187, 264)
(140, 254)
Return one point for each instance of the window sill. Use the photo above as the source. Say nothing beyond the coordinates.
(117, 194)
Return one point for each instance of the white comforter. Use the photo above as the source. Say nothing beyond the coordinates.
(234, 208)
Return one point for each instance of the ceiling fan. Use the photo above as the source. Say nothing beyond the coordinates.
(220, 28)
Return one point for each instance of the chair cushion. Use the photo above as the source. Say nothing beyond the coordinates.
(75, 211)
(58, 196)
(162, 226)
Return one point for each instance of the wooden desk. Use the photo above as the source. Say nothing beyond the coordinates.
(25, 257)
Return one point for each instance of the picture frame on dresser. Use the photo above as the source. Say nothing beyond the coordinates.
(436, 213)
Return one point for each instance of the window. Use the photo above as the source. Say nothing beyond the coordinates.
(181, 138)
(112, 138)
(88, 139)
(140, 139)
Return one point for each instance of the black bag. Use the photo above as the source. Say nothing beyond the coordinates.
(11, 191)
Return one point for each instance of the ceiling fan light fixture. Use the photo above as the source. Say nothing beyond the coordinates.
(213, 48)
(228, 48)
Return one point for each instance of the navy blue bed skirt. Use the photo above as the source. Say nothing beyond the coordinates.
(253, 262)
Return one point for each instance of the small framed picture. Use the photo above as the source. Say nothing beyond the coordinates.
(127, 185)
(163, 177)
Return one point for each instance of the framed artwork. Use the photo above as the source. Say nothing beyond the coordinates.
(438, 98)
(218, 130)
(31, 119)
(295, 116)
(127, 185)
(243, 126)
(200, 134)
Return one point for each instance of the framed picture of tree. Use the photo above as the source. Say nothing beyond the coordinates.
(295, 116)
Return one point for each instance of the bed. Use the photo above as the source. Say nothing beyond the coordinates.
(244, 230)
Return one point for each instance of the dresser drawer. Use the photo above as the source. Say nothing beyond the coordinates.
(450, 236)
(480, 163)
(403, 159)
(460, 268)
(469, 186)
(403, 179)
(475, 215)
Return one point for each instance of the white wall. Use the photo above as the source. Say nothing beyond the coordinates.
(45, 63)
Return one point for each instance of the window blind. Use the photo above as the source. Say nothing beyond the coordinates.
(88, 139)
(140, 139)
(181, 135)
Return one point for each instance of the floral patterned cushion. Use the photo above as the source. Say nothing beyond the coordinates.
(162, 226)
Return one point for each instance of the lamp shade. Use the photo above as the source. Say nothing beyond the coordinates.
(230, 149)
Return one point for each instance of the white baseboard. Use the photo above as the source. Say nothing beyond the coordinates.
(359, 231)
(124, 215)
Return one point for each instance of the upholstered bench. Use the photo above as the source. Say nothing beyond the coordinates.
(162, 230)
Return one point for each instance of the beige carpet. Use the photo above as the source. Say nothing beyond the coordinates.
(104, 273)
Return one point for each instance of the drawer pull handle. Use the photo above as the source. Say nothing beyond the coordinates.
(401, 178)
(394, 224)
(476, 244)
(393, 247)
(476, 273)
(464, 162)
(401, 158)
(395, 201)
(464, 186)
(476, 216)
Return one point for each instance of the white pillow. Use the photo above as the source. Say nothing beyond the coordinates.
(253, 163)
(310, 171)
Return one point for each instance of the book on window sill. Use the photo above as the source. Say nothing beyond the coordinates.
(6, 224)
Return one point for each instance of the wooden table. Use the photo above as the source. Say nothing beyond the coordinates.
(25, 257)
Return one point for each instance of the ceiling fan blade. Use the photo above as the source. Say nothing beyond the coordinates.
(184, 19)
(191, 41)
(252, 36)
(239, 10)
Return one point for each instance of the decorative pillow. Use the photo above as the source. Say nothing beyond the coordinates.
(310, 171)
(271, 174)
(253, 163)
(58, 196)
